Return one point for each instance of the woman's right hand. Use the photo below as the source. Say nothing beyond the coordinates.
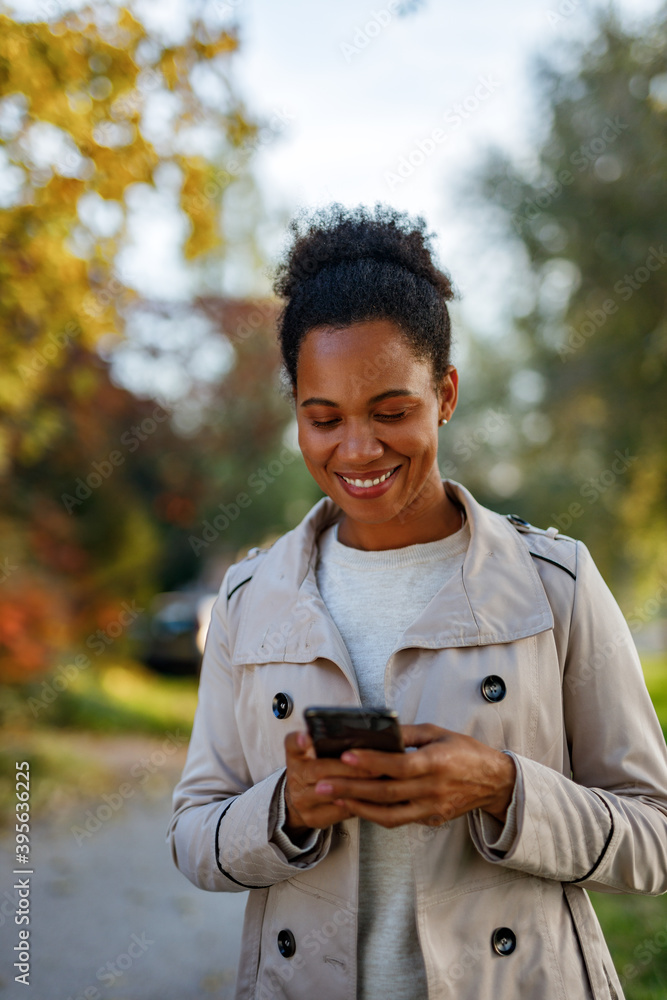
(306, 808)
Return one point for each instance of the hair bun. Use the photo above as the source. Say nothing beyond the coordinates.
(336, 235)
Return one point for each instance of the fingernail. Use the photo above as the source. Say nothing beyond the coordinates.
(349, 758)
(301, 740)
(323, 787)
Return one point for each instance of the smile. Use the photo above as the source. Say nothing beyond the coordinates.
(367, 483)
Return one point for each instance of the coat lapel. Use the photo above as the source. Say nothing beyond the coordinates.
(498, 597)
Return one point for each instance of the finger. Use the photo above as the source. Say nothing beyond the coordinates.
(374, 790)
(386, 815)
(303, 775)
(422, 733)
(299, 744)
(423, 812)
(321, 815)
(378, 762)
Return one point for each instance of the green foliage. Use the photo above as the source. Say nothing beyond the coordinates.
(635, 928)
(591, 309)
(120, 697)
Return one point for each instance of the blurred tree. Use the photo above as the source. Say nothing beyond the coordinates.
(94, 508)
(257, 483)
(91, 107)
(126, 506)
(591, 305)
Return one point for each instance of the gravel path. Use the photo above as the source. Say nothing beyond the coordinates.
(116, 897)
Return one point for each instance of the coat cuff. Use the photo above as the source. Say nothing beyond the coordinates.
(244, 851)
(562, 828)
(277, 835)
(496, 836)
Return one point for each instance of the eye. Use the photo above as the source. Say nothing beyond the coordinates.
(380, 416)
(390, 416)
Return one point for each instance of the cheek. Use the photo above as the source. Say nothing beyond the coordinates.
(420, 447)
(313, 448)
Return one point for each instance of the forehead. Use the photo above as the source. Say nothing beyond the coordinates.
(362, 355)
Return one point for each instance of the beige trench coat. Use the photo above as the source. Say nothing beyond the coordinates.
(530, 607)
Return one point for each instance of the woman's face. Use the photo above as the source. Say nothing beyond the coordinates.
(368, 409)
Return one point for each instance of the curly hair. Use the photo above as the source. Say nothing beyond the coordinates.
(347, 266)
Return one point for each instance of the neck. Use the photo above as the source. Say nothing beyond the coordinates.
(421, 522)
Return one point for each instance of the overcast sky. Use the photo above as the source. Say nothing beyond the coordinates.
(362, 91)
(368, 105)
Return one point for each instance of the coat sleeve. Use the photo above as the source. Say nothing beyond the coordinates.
(222, 824)
(604, 828)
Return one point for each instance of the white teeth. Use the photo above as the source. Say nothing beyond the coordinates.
(368, 482)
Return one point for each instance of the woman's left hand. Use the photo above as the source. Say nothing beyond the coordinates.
(448, 775)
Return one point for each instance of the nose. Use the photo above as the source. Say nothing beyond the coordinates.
(358, 445)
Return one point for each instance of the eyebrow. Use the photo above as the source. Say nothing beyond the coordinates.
(318, 401)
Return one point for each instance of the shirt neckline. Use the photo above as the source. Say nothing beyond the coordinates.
(450, 547)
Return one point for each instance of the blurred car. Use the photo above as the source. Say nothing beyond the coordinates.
(171, 638)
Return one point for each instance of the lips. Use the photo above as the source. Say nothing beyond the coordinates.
(385, 479)
(369, 479)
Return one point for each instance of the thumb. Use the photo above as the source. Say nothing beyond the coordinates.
(305, 744)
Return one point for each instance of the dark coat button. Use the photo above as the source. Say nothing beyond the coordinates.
(286, 943)
(493, 688)
(503, 940)
(282, 705)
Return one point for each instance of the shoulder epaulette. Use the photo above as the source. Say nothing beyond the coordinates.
(548, 544)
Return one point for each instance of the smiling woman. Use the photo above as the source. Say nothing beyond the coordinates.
(375, 445)
(535, 765)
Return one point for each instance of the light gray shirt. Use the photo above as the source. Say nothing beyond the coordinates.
(388, 588)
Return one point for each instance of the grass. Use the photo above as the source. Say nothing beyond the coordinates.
(635, 927)
(45, 727)
(121, 697)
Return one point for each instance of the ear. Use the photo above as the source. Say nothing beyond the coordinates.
(448, 393)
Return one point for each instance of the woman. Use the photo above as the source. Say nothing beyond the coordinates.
(536, 768)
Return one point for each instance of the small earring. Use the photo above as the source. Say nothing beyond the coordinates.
(443, 421)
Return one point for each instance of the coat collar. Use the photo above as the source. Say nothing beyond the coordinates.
(498, 597)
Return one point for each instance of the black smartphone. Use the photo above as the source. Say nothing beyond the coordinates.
(334, 730)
